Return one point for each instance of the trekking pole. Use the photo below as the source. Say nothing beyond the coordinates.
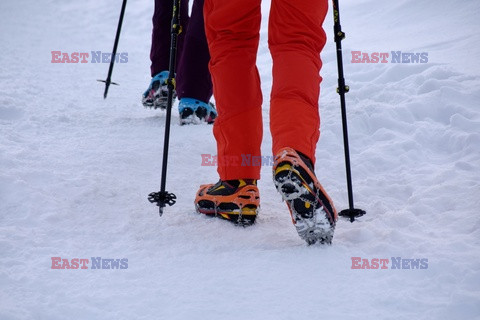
(114, 52)
(351, 212)
(163, 197)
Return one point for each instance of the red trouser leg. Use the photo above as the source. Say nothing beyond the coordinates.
(232, 28)
(296, 38)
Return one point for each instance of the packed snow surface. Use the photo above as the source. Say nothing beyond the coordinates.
(75, 171)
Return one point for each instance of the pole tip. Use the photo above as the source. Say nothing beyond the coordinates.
(351, 214)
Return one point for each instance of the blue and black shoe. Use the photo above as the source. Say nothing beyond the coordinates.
(193, 111)
(157, 93)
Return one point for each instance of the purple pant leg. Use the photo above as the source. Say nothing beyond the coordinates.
(193, 76)
(161, 33)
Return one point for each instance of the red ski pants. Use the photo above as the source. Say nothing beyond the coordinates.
(295, 39)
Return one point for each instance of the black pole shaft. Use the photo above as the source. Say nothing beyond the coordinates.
(339, 35)
(171, 83)
(114, 51)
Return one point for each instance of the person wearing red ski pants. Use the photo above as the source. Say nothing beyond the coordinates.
(295, 39)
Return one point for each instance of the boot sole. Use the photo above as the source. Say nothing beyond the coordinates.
(241, 208)
(160, 98)
(313, 223)
(243, 217)
(200, 115)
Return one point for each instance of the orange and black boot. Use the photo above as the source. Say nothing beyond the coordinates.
(235, 200)
(311, 209)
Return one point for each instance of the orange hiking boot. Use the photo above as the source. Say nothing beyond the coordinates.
(234, 200)
(311, 209)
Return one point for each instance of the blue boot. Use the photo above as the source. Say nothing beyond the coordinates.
(157, 93)
(193, 111)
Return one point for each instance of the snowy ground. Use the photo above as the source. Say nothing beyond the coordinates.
(75, 171)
